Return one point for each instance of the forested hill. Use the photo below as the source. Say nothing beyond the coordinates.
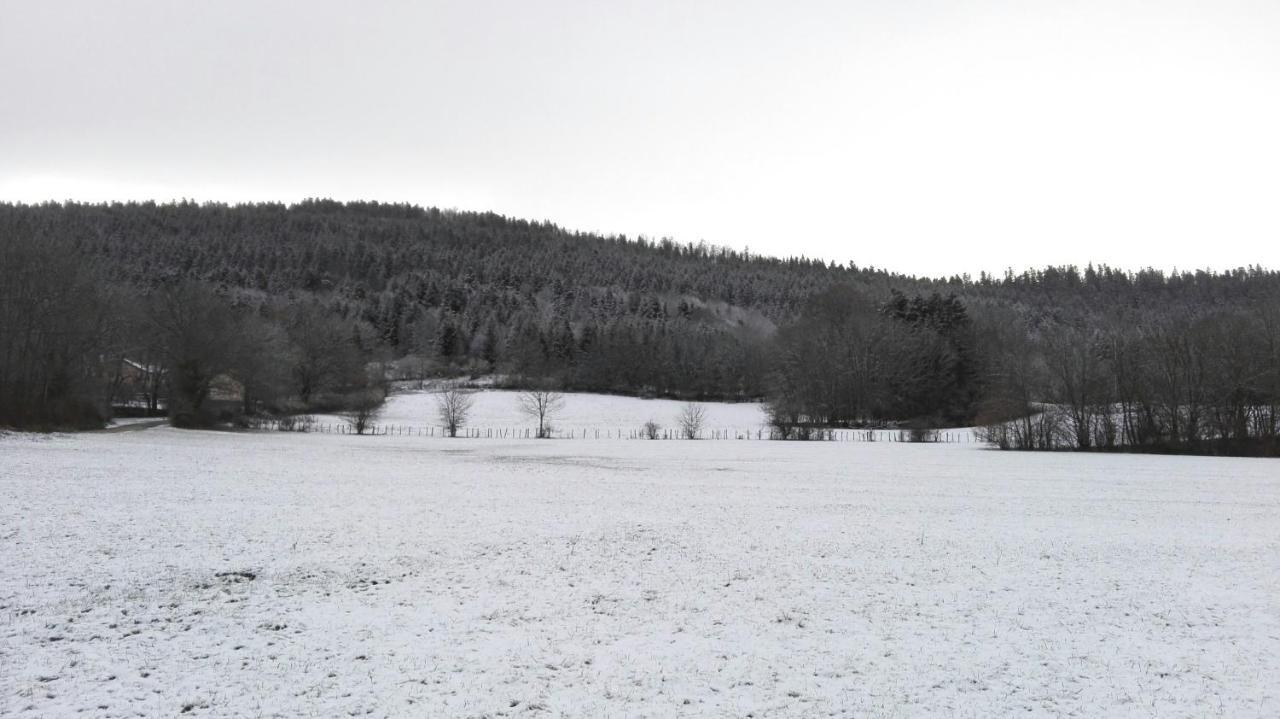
(387, 261)
(481, 292)
(389, 254)
(471, 287)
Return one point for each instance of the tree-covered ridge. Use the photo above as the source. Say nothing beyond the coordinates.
(450, 259)
(615, 314)
(326, 290)
(362, 249)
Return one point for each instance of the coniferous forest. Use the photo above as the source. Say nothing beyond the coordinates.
(317, 306)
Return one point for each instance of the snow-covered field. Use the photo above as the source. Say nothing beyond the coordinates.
(497, 409)
(602, 416)
(158, 572)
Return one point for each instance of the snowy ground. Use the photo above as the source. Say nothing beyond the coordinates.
(605, 416)
(159, 572)
(496, 409)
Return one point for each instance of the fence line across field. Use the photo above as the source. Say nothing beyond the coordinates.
(620, 433)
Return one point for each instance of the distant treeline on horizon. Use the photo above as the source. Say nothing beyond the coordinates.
(462, 292)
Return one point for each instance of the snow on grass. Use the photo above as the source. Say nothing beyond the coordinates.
(500, 409)
(611, 416)
(268, 574)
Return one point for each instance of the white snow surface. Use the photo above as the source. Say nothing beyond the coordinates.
(498, 409)
(407, 576)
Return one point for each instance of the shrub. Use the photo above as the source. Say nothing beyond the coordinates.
(296, 423)
(362, 409)
(652, 430)
(691, 418)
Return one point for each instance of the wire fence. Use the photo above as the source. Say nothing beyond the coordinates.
(293, 424)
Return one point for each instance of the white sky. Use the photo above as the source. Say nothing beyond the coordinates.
(925, 137)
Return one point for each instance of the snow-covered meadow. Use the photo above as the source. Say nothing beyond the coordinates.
(497, 413)
(157, 572)
(500, 409)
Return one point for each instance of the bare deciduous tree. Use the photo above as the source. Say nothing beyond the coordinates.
(324, 359)
(691, 418)
(652, 430)
(541, 405)
(363, 409)
(454, 407)
(200, 336)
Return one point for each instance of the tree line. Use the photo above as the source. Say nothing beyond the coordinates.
(1203, 381)
(316, 306)
(1182, 377)
(68, 344)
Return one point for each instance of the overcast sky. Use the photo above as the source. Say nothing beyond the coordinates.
(925, 137)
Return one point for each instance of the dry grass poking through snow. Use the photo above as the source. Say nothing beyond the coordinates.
(213, 574)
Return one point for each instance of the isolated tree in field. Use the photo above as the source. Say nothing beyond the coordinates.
(454, 407)
(652, 430)
(363, 409)
(542, 406)
(691, 419)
